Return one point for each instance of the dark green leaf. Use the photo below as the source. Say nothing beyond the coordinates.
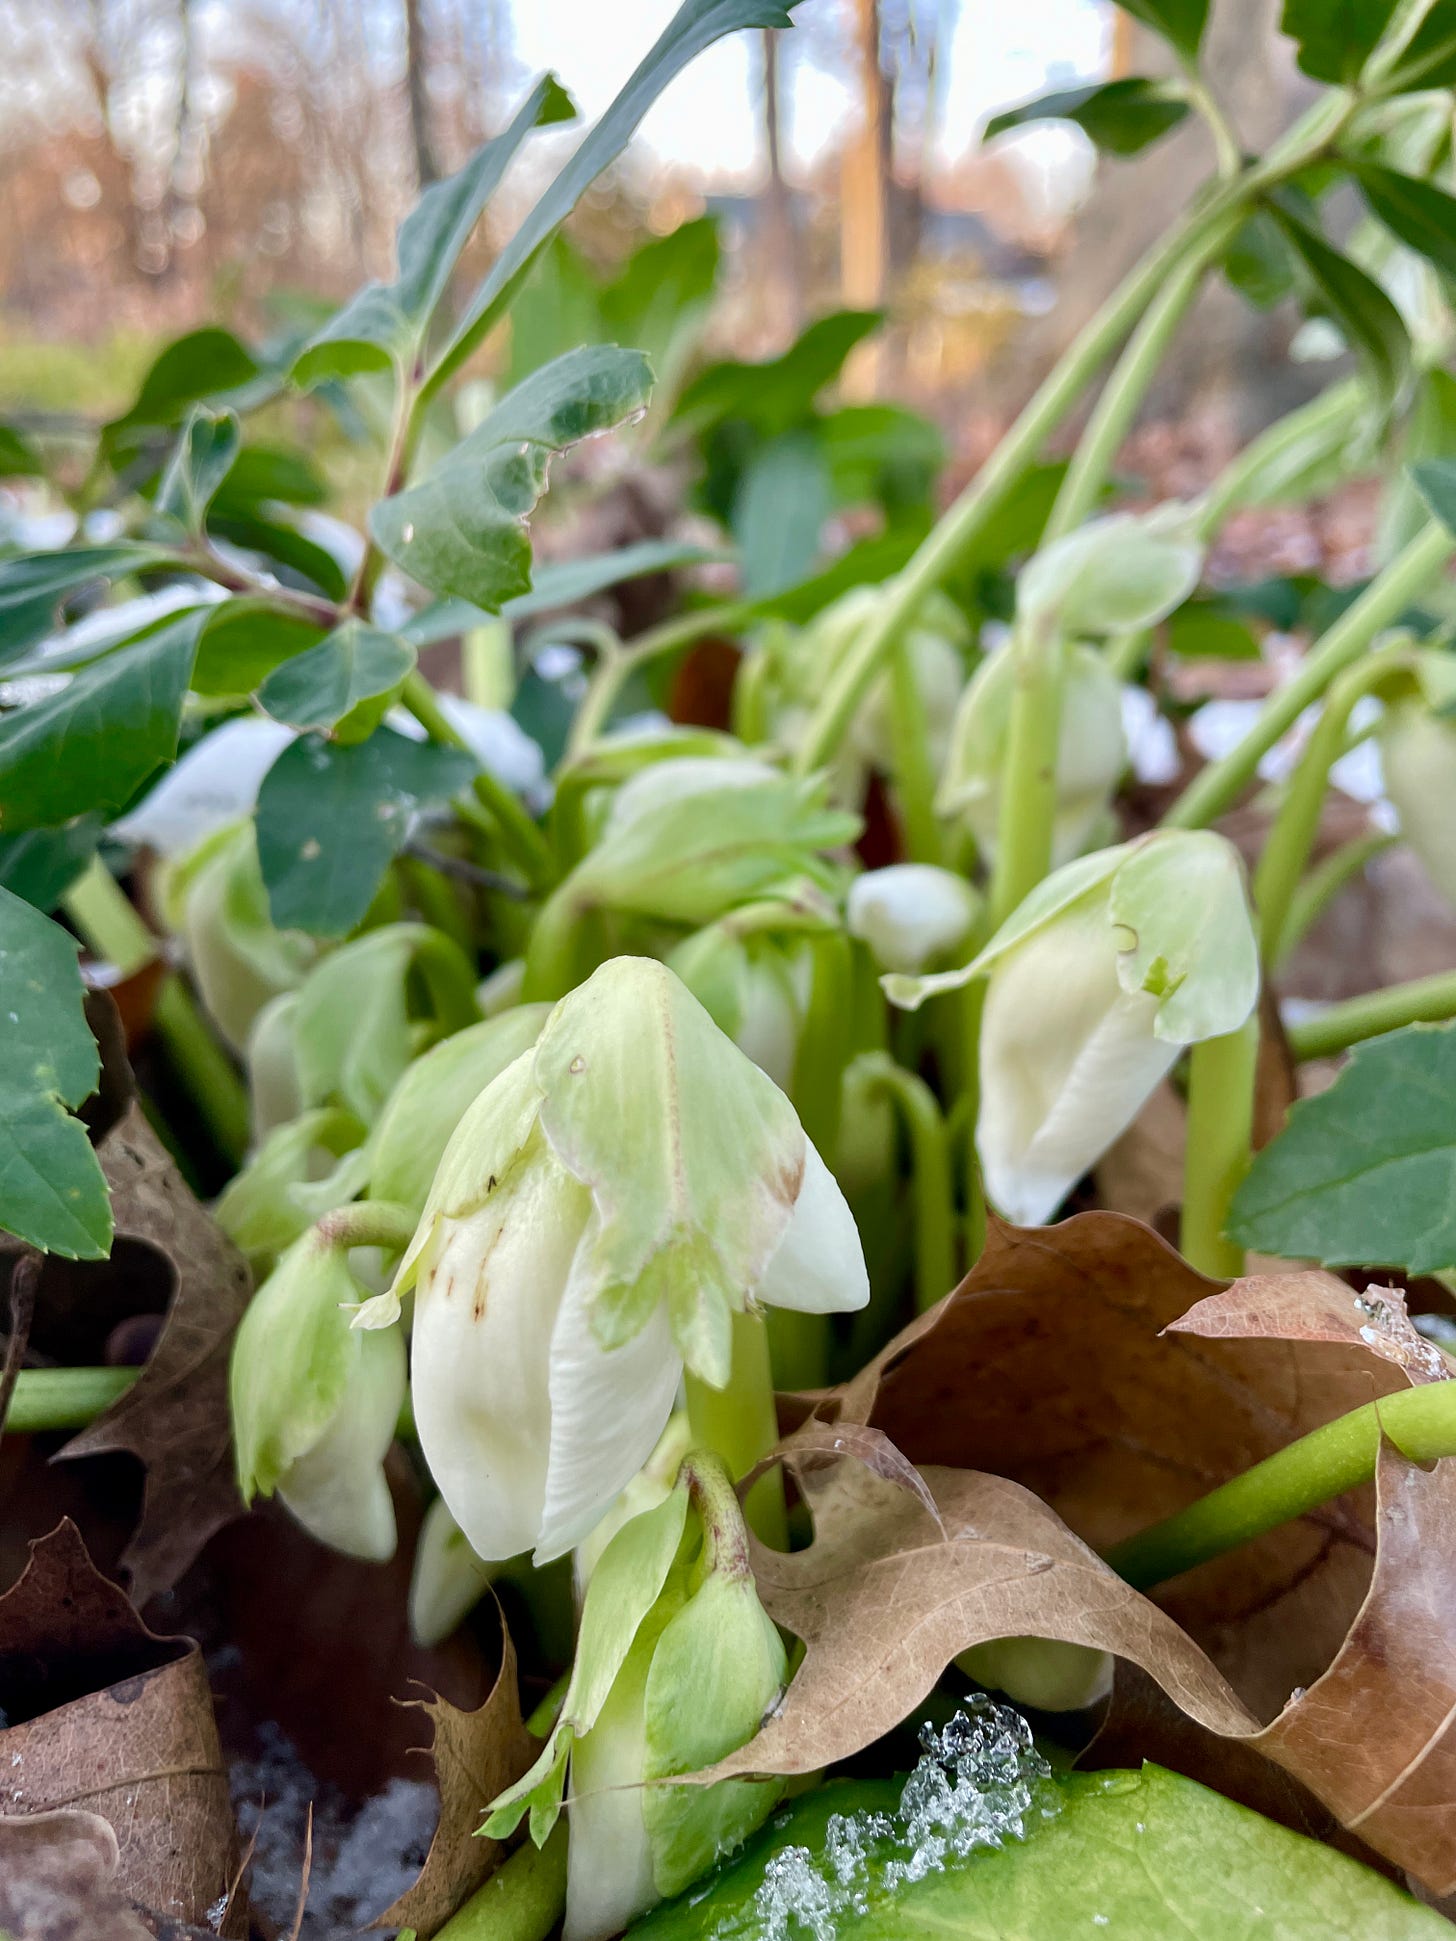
(1435, 480)
(201, 459)
(778, 394)
(52, 1194)
(1336, 37)
(243, 641)
(659, 299)
(209, 365)
(34, 587)
(332, 819)
(264, 472)
(557, 308)
(461, 530)
(778, 518)
(695, 26)
(1145, 1855)
(1259, 262)
(344, 686)
(1205, 630)
(280, 544)
(866, 563)
(1361, 1174)
(1119, 116)
(89, 747)
(1180, 22)
(1420, 214)
(386, 324)
(19, 459)
(42, 864)
(560, 583)
(881, 454)
(1368, 320)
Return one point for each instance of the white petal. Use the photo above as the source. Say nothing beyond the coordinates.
(215, 782)
(819, 1265)
(909, 913)
(608, 1408)
(608, 1858)
(338, 1491)
(487, 1300)
(448, 1580)
(1067, 1060)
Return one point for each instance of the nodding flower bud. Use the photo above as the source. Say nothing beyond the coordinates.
(1127, 570)
(602, 1210)
(1094, 984)
(315, 1402)
(911, 913)
(677, 1663)
(1091, 751)
(1418, 761)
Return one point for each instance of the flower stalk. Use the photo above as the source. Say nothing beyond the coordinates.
(1424, 1000)
(739, 1424)
(1221, 1078)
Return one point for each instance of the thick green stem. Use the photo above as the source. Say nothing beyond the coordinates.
(1421, 1422)
(1027, 815)
(523, 1899)
(1407, 577)
(1324, 883)
(910, 752)
(740, 1424)
(368, 1223)
(1221, 1074)
(110, 926)
(1279, 458)
(1425, 1000)
(519, 835)
(1291, 839)
(64, 1398)
(552, 955)
(1125, 390)
(930, 1175)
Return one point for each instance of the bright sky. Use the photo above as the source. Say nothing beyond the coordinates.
(1000, 54)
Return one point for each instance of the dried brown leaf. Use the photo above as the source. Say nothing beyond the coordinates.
(175, 1420)
(886, 1596)
(109, 1717)
(57, 1873)
(1141, 1173)
(1318, 1307)
(477, 1755)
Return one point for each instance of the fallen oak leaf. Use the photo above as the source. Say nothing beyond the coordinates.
(887, 1596)
(1316, 1306)
(477, 1756)
(108, 1716)
(175, 1418)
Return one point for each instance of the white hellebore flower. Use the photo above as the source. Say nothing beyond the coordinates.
(909, 913)
(1125, 571)
(1094, 985)
(600, 1213)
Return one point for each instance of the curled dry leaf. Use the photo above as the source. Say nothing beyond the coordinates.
(477, 1755)
(1318, 1307)
(1050, 1365)
(57, 1880)
(175, 1420)
(108, 1717)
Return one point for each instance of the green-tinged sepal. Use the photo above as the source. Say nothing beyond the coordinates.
(448, 1579)
(315, 1402)
(1417, 741)
(287, 1185)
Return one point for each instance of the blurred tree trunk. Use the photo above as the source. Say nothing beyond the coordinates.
(416, 63)
(781, 255)
(865, 190)
(1229, 359)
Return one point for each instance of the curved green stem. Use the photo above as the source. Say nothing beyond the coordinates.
(931, 1176)
(1026, 817)
(519, 834)
(1421, 1422)
(1424, 1000)
(1217, 787)
(611, 671)
(910, 753)
(1221, 1075)
(368, 1223)
(1287, 851)
(740, 1424)
(1283, 453)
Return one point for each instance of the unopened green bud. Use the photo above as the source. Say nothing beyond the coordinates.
(1418, 760)
(272, 1061)
(1125, 571)
(448, 1579)
(1044, 1673)
(237, 957)
(315, 1401)
(1091, 751)
(302, 1171)
(754, 988)
(910, 914)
